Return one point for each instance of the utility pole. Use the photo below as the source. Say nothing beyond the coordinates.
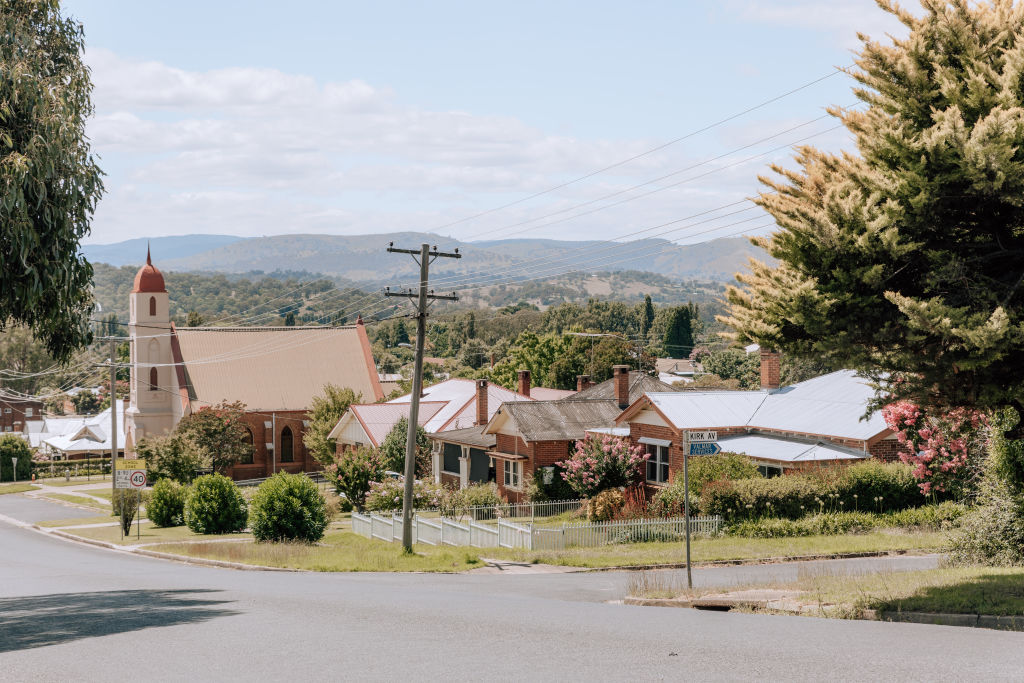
(426, 257)
(113, 417)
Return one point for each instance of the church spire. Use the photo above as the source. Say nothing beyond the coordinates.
(149, 261)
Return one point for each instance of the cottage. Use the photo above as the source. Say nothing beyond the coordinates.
(15, 413)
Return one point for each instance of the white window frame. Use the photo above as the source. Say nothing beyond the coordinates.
(29, 412)
(513, 474)
(660, 458)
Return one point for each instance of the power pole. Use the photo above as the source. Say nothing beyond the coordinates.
(426, 257)
(113, 417)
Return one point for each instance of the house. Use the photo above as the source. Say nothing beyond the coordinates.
(15, 413)
(534, 436)
(808, 424)
(275, 371)
(74, 438)
(672, 370)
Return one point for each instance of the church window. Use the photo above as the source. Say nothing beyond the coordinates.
(287, 454)
(248, 441)
(152, 306)
(153, 383)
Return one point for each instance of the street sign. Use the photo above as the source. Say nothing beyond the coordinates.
(704, 448)
(701, 435)
(130, 479)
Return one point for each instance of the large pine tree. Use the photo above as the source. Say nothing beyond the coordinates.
(905, 259)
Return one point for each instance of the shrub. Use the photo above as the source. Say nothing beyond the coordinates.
(605, 505)
(646, 535)
(169, 457)
(710, 468)
(214, 505)
(548, 483)
(599, 463)
(387, 495)
(352, 473)
(455, 503)
(125, 503)
(12, 446)
(288, 507)
(993, 533)
(167, 504)
(835, 523)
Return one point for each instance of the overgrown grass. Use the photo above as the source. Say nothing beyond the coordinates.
(340, 551)
(150, 534)
(725, 548)
(17, 487)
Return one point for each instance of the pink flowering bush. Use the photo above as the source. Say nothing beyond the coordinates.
(941, 449)
(600, 463)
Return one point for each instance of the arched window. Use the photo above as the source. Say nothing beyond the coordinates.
(152, 306)
(248, 441)
(287, 454)
(153, 383)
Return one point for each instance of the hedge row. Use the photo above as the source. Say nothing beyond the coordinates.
(834, 523)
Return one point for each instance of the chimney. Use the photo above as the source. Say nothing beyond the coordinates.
(771, 370)
(481, 402)
(583, 382)
(524, 382)
(621, 374)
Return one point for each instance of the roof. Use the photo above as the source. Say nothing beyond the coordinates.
(545, 394)
(469, 436)
(378, 419)
(785, 450)
(674, 365)
(148, 279)
(460, 395)
(89, 434)
(275, 368)
(567, 419)
(831, 405)
(640, 383)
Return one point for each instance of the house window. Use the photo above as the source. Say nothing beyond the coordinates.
(28, 412)
(7, 411)
(452, 453)
(769, 471)
(287, 455)
(513, 474)
(247, 439)
(657, 464)
(153, 383)
(152, 306)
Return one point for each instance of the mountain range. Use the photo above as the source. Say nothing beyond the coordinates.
(363, 258)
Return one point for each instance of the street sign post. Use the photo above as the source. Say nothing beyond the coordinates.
(695, 442)
(701, 448)
(701, 435)
(130, 479)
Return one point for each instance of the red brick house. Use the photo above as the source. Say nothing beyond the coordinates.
(15, 414)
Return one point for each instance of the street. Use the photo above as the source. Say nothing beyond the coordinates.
(75, 612)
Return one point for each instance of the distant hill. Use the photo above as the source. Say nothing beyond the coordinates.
(133, 252)
(362, 258)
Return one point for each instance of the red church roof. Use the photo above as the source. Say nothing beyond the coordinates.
(148, 279)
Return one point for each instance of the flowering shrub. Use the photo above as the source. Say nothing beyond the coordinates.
(352, 473)
(603, 462)
(387, 495)
(605, 505)
(940, 449)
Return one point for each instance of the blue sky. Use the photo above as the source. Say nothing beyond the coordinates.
(351, 118)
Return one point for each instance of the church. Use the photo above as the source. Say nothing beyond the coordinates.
(275, 371)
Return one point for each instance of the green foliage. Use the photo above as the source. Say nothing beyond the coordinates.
(392, 449)
(605, 505)
(166, 506)
(21, 352)
(169, 457)
(214, 505)
(194, 319)
(12, 446)
(217, 434)
(669, 501)
(735, 364)
(992, 534)
(679, 332)
(1007, 456)
(456, 502)
(288, 507)
(870, 485)
(50, 182)
(125, 503)
(353, 471)
(387, 495)
(929, 517)
(323, 416)
(86, 403)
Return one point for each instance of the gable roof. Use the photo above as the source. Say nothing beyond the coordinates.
(90, 434)
(460, 398)
(378, 419)
(474, 437)
(785, 450)
(566, 419)
(274, 368)
(640, 383)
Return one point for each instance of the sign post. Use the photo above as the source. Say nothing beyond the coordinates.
(695, 442)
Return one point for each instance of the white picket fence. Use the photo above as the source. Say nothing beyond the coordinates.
(504, 534)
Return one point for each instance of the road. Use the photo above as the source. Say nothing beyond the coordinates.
(75, 612)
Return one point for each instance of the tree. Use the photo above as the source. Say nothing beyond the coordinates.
(169, 457)
(735, 364)
(905, 260)
(323, 416)
(289, 319)
(352, 473)
(392, 449)
(678, 340)
(20, 352)
(12, 446)
(646, 315)
(195, 319)
(217, 434)
(49, 181)
(86, 402)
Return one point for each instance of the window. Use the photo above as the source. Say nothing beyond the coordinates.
(153, 383)
(152, 306)
(28, 412)
(450, 463)
(657, 464)
(7, 411)
(768, 471)
(287, 455)
(513, 474)
(248, 440)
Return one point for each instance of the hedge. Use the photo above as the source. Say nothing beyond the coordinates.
(834, 523)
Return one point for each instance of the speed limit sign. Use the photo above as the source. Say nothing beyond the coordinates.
(137, 478)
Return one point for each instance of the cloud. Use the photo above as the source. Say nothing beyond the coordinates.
(841, 18)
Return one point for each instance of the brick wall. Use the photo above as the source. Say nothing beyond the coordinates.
(886, 450)
(547, 453)
(14, 421)
(264, 464)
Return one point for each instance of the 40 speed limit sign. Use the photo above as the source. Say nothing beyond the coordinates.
(130, 479)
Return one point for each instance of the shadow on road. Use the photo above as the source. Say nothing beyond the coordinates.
(41, 620)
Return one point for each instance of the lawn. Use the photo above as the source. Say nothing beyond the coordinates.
(724, 548)
(149, 534)
(78, 500)
(73, 482)
(74, 521)
(17, 487)
(340, 551)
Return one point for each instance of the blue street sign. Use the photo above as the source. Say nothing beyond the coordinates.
(705, 448)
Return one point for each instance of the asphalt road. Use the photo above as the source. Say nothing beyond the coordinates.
(75, 612)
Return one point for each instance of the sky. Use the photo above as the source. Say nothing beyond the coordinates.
(473, 120)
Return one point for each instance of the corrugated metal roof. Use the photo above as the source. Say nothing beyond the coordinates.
(460, 396)
(561, 420)
(274, 368)
(378, 419)
(708, 409)
(90, 434)
(784, 450)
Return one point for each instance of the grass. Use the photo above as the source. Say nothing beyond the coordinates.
(724, 548)
(53, 523)
(150, 534)
(78, 500)
(102, 494)
(73, 482)
(340, 551)
(17, 487)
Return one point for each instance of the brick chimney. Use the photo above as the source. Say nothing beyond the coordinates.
(583, 382)
(771, 370)
(621, 374)
(524, 382)
(481, 402)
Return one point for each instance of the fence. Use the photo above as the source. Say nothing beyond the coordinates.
(83, 467)
(506, 534)
(506, 511)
